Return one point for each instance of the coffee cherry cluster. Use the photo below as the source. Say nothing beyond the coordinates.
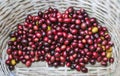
(71, 39)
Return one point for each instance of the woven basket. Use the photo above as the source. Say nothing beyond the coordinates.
(13, 12)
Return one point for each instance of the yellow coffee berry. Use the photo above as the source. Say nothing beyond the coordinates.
(106, 33)
(109, 50)
(102, 38)
(99, 44)
(109, 54)
(48, 28)
(69, 16)
(103, 48)
(94, 29)
(13, 62)
(37, 23)
(13, 39)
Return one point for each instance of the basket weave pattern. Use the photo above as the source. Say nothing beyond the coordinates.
(13, 12)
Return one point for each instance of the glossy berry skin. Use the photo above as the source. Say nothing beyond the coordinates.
(28, 63)
(84, 70)
(92, 61)
(11, 67)
(7, 62)
(77, 67)
(104, 63)
(70, 38)
(111, 60)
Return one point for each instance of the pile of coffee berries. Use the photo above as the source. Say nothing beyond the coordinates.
(71, 39)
